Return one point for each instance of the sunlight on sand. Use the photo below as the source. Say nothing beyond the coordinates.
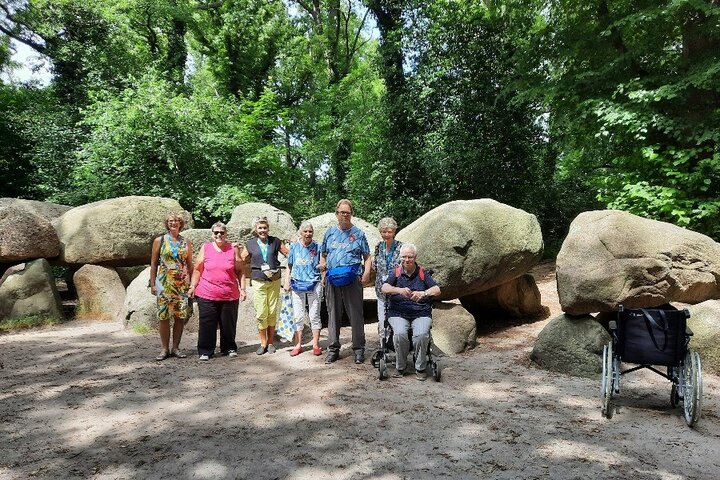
(569, 450)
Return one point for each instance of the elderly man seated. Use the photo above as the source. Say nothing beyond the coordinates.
(410, 290)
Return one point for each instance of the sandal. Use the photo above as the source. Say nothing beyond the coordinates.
(177, 353)
(296, 351)
(163, 355)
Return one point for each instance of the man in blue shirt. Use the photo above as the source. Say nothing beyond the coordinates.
(345, 255)
(410, 301)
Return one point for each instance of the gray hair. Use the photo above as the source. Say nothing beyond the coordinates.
(218, 225)
(387, 222)
(257, 220)
(305, 225)
(409, 246)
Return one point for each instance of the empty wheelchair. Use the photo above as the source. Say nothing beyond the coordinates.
(651, 337)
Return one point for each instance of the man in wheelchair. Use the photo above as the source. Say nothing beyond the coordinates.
(410, 290)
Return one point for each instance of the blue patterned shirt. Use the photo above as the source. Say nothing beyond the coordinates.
(304, 261)
(344, 248)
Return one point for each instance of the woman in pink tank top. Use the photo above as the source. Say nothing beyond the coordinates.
(214, 284)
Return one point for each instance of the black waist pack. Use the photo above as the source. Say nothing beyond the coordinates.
(652, 336)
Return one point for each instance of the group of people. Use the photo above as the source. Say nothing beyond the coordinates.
(337, 269)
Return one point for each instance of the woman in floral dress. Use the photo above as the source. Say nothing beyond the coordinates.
(170, 268)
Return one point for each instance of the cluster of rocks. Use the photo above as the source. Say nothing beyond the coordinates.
(479, 250)
(611, 258)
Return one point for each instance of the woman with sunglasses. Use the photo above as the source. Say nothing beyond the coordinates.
(217, 284)
(262, 252)
(170, 268)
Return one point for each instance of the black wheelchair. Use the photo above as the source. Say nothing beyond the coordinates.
(386, 354)
(652, 337)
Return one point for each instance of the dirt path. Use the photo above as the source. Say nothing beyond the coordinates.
(84, 400)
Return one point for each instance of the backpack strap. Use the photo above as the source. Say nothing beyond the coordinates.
(421, 272)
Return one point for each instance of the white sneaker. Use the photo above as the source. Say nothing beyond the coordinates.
(232, 353)
(204, 358)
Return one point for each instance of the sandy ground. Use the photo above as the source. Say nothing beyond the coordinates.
(85, 400)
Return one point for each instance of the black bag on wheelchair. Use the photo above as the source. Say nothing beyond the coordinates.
(652, 336)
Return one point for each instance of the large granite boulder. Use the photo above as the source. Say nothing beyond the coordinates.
(571, 345)
(518, 298)
(25, 235)
(198, 237)
(47, 210)
(140, 306)
(128, 274)
(29, 289)
(282, 224)
(322, 222)
(705, 323)
(475, 245)
(115, 232)
(100, 293)
(611, 257)
(453, 329)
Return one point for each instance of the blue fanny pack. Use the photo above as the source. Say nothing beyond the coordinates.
(302, 286)
(342, 276)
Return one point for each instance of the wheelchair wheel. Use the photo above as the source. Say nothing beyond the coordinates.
(375, 359)
(607, 380)
(674, 395)
(382, 369)
(435, 368)
(691, 383)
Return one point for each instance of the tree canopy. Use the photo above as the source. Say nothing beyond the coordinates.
(552, 106)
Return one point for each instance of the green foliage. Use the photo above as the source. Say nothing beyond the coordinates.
(554, 107)
(16, 172)
(30, 321)
(240, 39)
(141, 329)
(635, 96)
(150, 140)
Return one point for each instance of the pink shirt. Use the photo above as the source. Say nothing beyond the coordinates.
(218, 280)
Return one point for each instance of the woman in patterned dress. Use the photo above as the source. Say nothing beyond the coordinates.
(386, 258)
(170, 268)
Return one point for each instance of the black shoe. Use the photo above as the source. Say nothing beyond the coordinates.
(332, 357)
(360, 357)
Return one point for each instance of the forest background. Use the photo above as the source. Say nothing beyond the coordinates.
(555, 106)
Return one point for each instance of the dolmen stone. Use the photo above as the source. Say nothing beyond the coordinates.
(100, 293)
(47, 210)
(322, 222)
(115, 232)
(705, 325)
(571, 345)
(611, 257)
(282, 224)
(140, 306)
(518, 298)
(453, 329)
(475, 245)
(29, 289)
(25, 235)
(198, 237)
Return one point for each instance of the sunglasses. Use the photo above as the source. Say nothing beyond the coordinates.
(219, 232)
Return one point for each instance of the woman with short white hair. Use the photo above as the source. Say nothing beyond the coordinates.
(303, 280)
(385, 259)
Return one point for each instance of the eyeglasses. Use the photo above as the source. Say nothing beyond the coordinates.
(407, 257)
(344, 214)
(219, 233)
